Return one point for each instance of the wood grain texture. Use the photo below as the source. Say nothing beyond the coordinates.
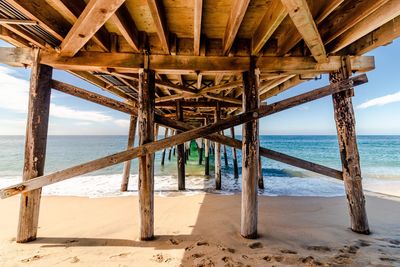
(158, 15)
(234, 156)
(217, 152)
(127, 165)
(180, 157)
(35, 147)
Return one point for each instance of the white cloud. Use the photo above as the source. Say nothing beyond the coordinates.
(122, 123)
(380, 101)
(14, 96)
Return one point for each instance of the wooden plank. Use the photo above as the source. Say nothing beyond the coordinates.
(234, 156)
(157, 12)
(146, 162)
(18, 21)
(250, 154)
(198, 104)
(376, 19)
(164, 151)
(223, 98)
(93, 97)
(236, 16)
(32, 39)
(127, 165)
(302, 18)
(260, 177)
(273, 17)
(169, 98)
(221, 87)
(95, 14)
(381, 36)
(127, 27)
(180, 158)
(11, 56)
(217, 153)
(12, 38)
(328, 9)
(198, 13)
(35, 147)
(347, 17)
(71, 11)
(190, 134)
(346, 131)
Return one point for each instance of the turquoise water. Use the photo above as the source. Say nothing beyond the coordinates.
(380, 162)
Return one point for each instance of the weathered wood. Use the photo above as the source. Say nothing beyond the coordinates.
(217, 153)
(236, 16)
(127, 27)
(345, 125)
(127, 165)
(146, 162)
(164, 151)
(157, 12)
(273, 17)
(95, 14)
(234, 156)
(199, 104)
(170, 149)
(93, 97)
(35, 147)
(260, 174)
(191, 133)
(198, 13)
(250, 149)
(302, 18)
(225, 154)
(180, 158)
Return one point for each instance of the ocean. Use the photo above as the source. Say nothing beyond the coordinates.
(380, 163)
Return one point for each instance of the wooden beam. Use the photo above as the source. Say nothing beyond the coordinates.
(190, 134)
(164, 151)
(127, 165)
(273, 17)
(198, 13)
(12, 38)
(146, 162)
(95, 14)
(169, 98)
(217, 155)
(221, 87)
(72, 10)
(127, 27)
(223, 98)
(236, 16)
(18, 21)
(250, 152)
(381, 36)
(93, 97)
(376, 19)
(302, 18)
(35, 147)
(180, 158)
(157, 12)
(347, 17)
(260, 176)
(328, 9)
(198, 104)
(234, 156)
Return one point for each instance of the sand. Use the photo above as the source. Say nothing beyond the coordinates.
(202, 230)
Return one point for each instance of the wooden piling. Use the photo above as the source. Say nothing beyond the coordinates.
(234, 156)
(225, 154)
(146, 163)
(217, 155)
(171, 148)
(250, 152)
(260, 174)
(200, 151)
(35, 147)
(206, 157)
(345, 125)
(180, 151)
(164, 151)
(127, 164)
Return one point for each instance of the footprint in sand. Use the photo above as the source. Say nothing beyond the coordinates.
(160, 258)
(319, 248)
(363, 243)
(349, 249)
(255, 245)
(173, 241)
(74, 259)
(310, 261)
(342, 259)
(288, 251)
(202, 243)
(30, 259)
(230, 250)
(121, 255)
(197, 255)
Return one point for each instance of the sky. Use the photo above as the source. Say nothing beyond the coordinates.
(376, 105)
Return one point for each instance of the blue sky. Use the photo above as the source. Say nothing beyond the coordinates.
(376, 105)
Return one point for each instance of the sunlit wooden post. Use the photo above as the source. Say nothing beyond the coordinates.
(345, 125)
(217, 155)
(234, 156)
(127, 164)
(146, 163)
(250, 152)
(35, 146)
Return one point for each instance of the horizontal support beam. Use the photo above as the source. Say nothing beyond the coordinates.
(93, 97)
(199, 104)
(207, 130)
(169, 64)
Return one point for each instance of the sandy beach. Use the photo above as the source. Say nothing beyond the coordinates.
(202, 230)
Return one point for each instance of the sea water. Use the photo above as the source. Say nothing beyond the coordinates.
(379, 156)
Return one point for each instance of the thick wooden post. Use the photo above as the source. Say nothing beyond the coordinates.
(127, 164)
(35, 146)
(260, 174)
(217, 155)
(164, 151)
(199, 142)
(225, 154)
(345, 125)
(234, 156)
(180, 151)
(250, 152)
(146, 163)
(170, 149)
